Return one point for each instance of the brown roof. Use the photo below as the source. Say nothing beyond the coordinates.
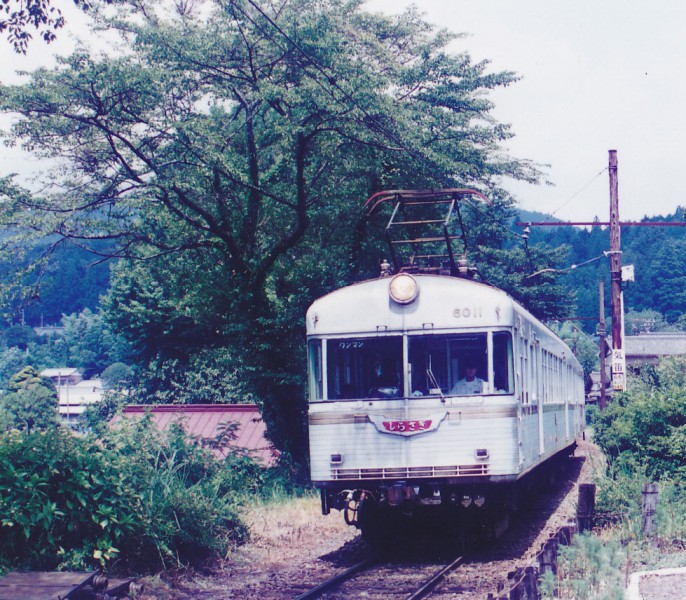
(204, 421)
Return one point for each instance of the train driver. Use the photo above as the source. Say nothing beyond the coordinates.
(470, 383)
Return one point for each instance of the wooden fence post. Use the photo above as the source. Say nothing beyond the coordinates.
(651, 495)
(586, 507)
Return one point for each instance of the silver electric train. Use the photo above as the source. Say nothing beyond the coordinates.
(432, 395)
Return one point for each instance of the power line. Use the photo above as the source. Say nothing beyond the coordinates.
(566, 202)
(566, 269)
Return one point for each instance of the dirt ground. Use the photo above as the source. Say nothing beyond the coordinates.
(287, 543)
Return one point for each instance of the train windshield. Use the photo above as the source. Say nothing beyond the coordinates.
(448, 364)
(459, 364)
(372, 367)
(364, 368)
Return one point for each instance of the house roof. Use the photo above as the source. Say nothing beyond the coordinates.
(60, 372)
(204, 421)
(648, 347)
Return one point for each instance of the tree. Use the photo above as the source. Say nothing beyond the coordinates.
(31, 401)
(41, 16)
(225, 160)
(646, 426)
(92, 346)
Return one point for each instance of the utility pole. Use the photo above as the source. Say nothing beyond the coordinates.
(615, 254)
(601, 336)
(618, 361)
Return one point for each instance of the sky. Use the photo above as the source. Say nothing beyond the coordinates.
(595, 75)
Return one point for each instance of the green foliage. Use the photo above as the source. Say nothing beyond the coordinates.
(208, 376)
(139, 498)
(60, 496)
(12, 360)
(656, 301)
(87, 343)
(645, 321)
(31, 402)
(543, 294)
(589, 569)
(584, 347)
(91, 344)
(117, 376)
(592, 414)
(19, 336)
(646, 426)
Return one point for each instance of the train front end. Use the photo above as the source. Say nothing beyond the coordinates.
(412, 396)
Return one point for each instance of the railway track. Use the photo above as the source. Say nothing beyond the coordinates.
(371, 577)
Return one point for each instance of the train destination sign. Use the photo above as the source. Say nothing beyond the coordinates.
(407, 427)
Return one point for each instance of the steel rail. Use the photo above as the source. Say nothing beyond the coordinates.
(336, 579)
(433, 581)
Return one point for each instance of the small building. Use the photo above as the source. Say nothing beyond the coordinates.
(74, 399)
(74, 393)
(649, 348)
(206, 421)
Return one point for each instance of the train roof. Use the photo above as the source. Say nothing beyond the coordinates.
(362, 305)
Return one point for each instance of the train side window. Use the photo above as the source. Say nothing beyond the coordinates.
(503, 374)
(364, 368)
(314, 352)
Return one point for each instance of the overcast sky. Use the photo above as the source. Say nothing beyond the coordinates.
(596, 75)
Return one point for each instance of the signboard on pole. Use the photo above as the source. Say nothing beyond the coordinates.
(618, 370)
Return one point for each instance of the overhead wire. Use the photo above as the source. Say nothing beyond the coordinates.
(566, 202)
(566, 269)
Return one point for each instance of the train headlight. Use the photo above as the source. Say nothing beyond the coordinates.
(403, 288)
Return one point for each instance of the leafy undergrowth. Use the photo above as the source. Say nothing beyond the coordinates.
(135, 500)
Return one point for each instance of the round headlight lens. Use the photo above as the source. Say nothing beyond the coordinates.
(403, 288)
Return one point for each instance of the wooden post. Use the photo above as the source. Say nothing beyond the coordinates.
(618, 362)
(586, 506)
(615, 253)
(601, 341)
(651, 495)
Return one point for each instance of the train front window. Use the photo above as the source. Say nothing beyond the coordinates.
(364, 368)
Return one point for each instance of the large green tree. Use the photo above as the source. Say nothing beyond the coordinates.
(31, 401)
(224, 157)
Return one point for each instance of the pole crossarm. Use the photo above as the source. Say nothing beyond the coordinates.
(601, 223)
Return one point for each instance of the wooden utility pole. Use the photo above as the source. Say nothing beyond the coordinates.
(615, 254)
(618, 362)
(601, 343)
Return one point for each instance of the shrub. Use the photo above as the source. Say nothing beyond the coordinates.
(646, 427)
(31, 401)
(143, 497)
